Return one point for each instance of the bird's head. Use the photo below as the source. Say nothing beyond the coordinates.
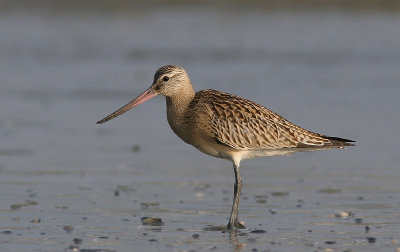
(168, 81)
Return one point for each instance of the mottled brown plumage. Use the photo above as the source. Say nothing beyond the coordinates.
(245, 125)
(227, 126)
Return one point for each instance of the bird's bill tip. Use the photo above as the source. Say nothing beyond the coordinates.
(146, 95)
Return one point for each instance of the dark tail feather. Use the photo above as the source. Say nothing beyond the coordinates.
(337, 141)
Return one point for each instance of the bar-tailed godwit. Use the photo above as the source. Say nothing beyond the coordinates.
(227, 126)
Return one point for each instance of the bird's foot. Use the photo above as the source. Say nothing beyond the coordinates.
(235, 224)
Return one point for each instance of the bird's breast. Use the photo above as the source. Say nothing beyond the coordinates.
(177, 123)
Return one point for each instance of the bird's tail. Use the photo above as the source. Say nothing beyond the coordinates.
(340, 142)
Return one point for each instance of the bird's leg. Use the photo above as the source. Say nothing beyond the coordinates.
(234, 219)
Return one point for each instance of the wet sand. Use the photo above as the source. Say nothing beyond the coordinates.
(68, 184)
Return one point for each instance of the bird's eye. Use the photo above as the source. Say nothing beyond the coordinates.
(166, 78)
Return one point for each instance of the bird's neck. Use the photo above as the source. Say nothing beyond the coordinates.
(177, 106)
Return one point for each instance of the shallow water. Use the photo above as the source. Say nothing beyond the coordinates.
(63, 177)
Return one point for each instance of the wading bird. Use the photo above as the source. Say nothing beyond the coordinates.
(227, 126)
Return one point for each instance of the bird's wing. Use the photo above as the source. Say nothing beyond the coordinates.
(243, 124)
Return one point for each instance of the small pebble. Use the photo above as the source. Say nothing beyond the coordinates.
(196, 236)
(358, 221)
(77, 241)
(116, 193)
(371, 239)
(16, 206)
(136, 148)
(272, 211)
(152, 221)
(6, 232)
(343, 214)
(36, 221)
(68, 229)
(278, 194)
(330, 242)
(152, 240)
(258, 231)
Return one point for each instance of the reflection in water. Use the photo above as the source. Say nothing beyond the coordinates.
(233, 235)
(234, 239)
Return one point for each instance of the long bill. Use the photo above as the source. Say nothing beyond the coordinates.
(146, 95)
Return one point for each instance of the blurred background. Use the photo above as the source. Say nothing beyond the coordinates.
(329, 66)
